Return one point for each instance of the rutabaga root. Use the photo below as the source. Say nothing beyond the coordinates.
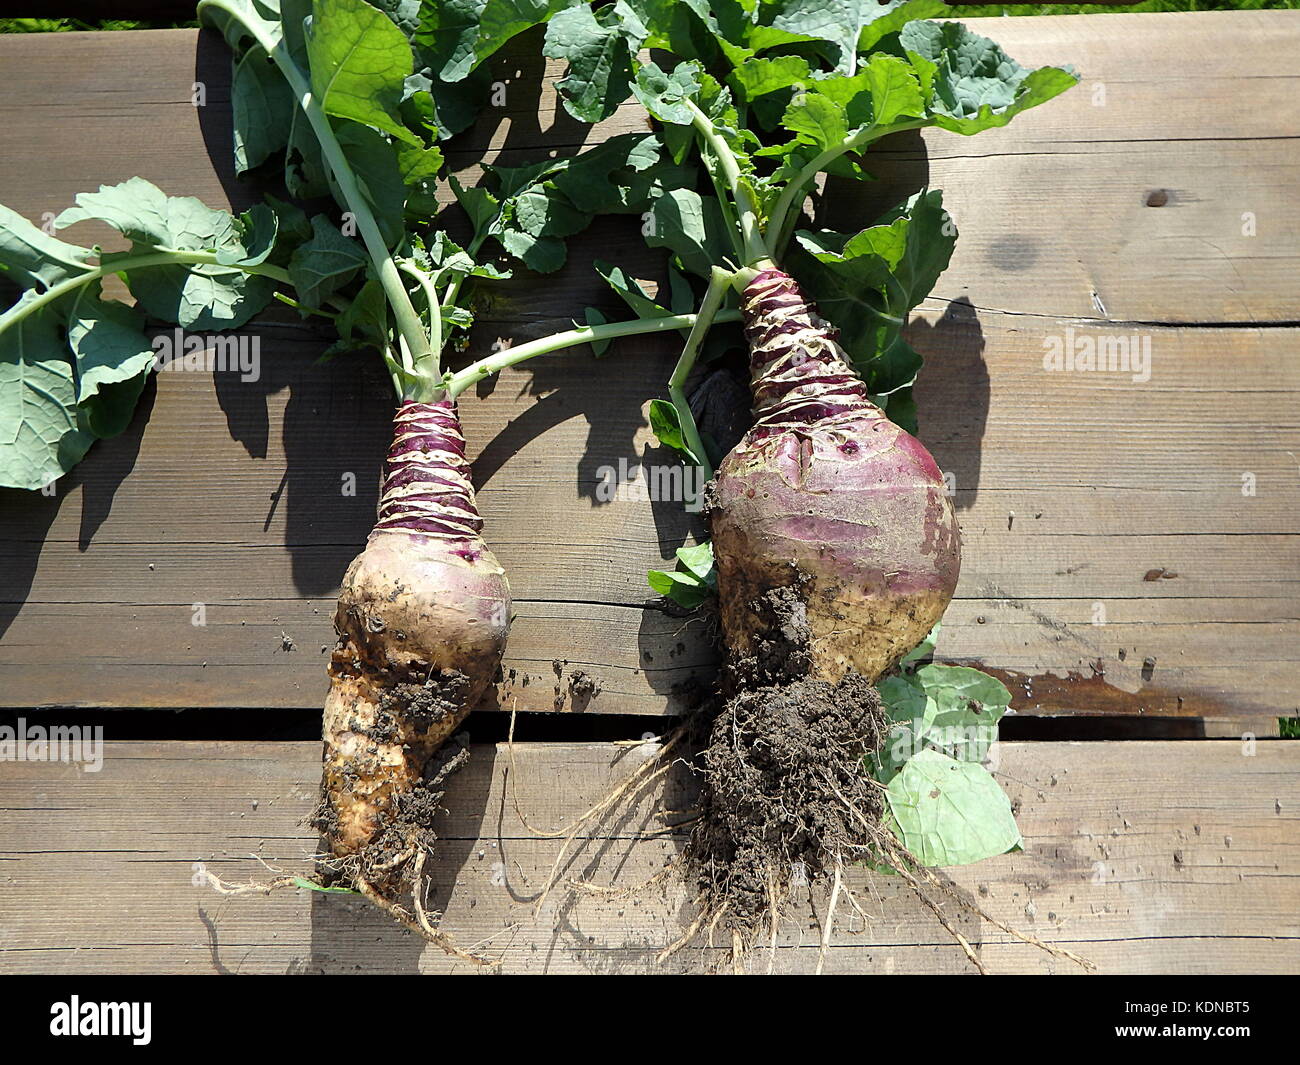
(422, 621)
(826, 493)
(837, 551)
(785, 799)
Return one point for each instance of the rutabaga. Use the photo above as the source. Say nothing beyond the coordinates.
(337, 97)
(835, 543)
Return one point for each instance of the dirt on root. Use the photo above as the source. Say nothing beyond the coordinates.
(404, 830)
(784, 795)
(411, 716)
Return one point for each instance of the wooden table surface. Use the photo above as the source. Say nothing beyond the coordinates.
(1113, 564)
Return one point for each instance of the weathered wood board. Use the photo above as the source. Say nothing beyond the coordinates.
(1192, 866)
(1115, 561)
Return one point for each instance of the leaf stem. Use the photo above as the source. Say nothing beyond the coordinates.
(131, 262)
(783, 216)
(729, 216)
(456, 383)
(433, 359)
(453, 288)
(404, 313)
(303, 308)
(753, 249)
(720, 281)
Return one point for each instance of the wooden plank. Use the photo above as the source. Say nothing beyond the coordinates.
(1057, 210)
(1062, 191)
(1191, 867)
(1104, 501)
(231, 494)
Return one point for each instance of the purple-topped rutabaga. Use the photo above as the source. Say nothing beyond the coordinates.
(422, 620)
(825, 493)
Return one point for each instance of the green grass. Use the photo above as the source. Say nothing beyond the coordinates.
(65, 25)
(989, 10)
(56, 25)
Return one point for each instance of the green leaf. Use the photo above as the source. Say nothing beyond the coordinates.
(593, 317)
(742, 31)
(359, 63)
(544, 255)
(694, 580)
(665, 95)
(292, 228)
(419, 164)
(630, 291)
(848, 25)
(377, 168)
(404, 13)
(599, 48)
(897, 14)
(900, 405)
(545, 202)
(964, 698)
(684, 589)
(816, 119)
(196, 296)
(478, 203)
(923, 649)
(29, 255)
(364, 322)
(107, 338)
(199, 297)
(929, 237)
(41, 436)
(666, 424)
(905, 701)
(692, 227)
(907, 708)
(460, 34)
(759, 77)
(950, 812)
(141, 211)
(305, 173)
(954, 709)
(73, 368)
(325, 263)
(971, 83)
(697, 560)
(445, 254)
(866, 284)
(263, 108)
(110, 410)
(259, 229)
(541, 214)
(618, 176)
(831, 110)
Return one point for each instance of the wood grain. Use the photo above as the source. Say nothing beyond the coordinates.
(1105, 525)
(1190, 867)
(1072, 488)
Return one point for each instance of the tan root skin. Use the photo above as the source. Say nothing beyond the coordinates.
(884, 627)
(389, 635)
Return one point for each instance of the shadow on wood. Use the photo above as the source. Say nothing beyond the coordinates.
(212, 70)
(32, 513)
(952, 394)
